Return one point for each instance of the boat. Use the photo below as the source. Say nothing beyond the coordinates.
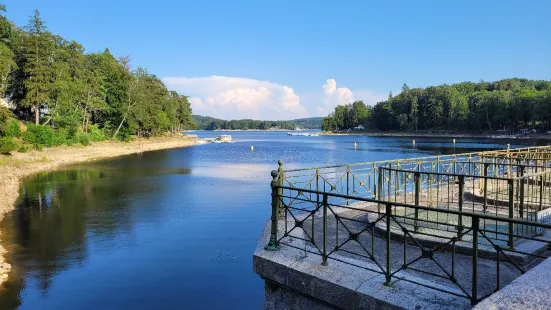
(305, 134)
(223, 139)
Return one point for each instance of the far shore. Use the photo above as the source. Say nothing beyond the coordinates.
(427, 134)
(18, 165)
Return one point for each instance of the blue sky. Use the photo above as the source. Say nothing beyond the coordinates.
(284, 59)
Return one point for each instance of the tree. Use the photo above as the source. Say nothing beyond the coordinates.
(38, 47)
(7, 65)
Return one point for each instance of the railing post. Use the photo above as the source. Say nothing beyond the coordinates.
(273, 244)
(318, 185)
(280, 191)
(485, 186)
(417, 179)
(474, 294)
(380, 188)
(347, 184)
(541, 193)
(324, 249)
(521, 198)
(388, 272)
(461, 183)
(511, 211)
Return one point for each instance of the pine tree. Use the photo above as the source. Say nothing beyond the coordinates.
(37, 52)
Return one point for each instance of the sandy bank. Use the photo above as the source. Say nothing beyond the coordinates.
(18, 165)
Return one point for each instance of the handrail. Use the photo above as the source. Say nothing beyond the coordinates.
(388, 227)
(398, 204)
(424, 158)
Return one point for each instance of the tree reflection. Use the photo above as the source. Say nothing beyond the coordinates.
(59, 212)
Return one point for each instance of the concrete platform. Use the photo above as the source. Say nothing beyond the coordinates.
(530, 291)
(340, 285)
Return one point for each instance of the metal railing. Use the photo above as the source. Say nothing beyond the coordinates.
(507, 190)
(385, 241)
(360, 179)
(449, 211)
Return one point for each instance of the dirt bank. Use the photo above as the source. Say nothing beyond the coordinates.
(18, 165)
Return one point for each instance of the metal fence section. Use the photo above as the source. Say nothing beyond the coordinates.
(424, 217)
(361, 179)
(468, 264)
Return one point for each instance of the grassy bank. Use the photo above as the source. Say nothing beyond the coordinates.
(18, 165)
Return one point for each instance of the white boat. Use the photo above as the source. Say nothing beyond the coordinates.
(223, 139)
(305, 134)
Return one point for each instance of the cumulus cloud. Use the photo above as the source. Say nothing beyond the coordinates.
(334, 96)
(236, 98)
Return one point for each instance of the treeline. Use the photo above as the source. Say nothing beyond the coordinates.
(51, 82)
(210, 123)
(504, 104)
(309, 123)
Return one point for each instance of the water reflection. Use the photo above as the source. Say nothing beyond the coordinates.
(58, 211)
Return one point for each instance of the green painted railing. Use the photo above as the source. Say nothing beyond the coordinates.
(477, 204)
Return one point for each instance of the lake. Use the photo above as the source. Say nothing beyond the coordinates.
(172, 229)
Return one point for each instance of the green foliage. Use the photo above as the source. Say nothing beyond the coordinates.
(7, 145)
(347, 116)
(96, 134)
(12, 129)
(40, 136)
(83, 138)
(23, 148)
(505, 104)
(5, 118)
(53, 82)
(60, 137)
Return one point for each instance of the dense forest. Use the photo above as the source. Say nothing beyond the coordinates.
(210, 123)
(62, 95)
(505, 104)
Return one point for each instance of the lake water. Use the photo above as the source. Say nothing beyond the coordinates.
(172, 229)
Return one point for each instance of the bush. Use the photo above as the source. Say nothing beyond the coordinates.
(40, 136)
(7, 145)
(83, 138)
(12, 129)
(60, 137)
(96, 134)
(124, 136)
(23, 148)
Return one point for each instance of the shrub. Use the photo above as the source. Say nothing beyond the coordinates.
(12, 129)
(124, 136)
(40, 136)
(83, 138)
(96, 134)
(60, 137)
(23, 148)
(7, 145)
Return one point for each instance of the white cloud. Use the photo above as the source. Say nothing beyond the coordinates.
(236, 98)
(334, 96)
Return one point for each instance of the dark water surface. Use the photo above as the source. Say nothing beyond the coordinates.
(171, 229)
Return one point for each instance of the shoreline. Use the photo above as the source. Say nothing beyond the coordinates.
(437, 135)
(19, 165)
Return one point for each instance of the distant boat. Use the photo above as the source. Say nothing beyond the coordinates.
(305, 134)
(223, 139)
